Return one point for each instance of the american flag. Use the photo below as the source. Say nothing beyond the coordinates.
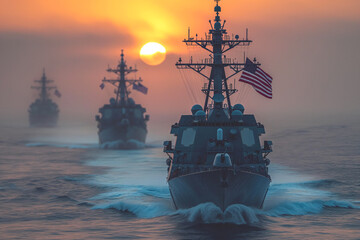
(256, 77)
(57, 93)
(141, 88)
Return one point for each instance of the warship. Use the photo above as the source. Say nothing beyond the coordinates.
(217, 156)
(122, 123)
(44, 112)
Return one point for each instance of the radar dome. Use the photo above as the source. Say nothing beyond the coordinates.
(112, 101)
(200, 115)
(239, 107)
(217, 25)
(236, 113)
(196, 108)
(131, 102)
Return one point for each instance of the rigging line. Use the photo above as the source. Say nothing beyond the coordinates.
(243, 92)
(186, 87)
(189, 85)
(240, 90)
(197, 80)
(191, 88)
(246, 94)
(181, 77)
(200, 80)
(190, 98)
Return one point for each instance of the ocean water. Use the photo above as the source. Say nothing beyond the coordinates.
(58, 184)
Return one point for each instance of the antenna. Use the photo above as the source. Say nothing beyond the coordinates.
(216, 42)
(223, 24)
(211, 25)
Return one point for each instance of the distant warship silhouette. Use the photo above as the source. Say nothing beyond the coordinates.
(44, 112)
(217, 156)
(122, 123)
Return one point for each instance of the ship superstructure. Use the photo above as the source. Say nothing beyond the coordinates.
(122, 122)
(44, 112)
(217, 156)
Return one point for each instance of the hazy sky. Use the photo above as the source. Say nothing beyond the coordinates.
(311, 48)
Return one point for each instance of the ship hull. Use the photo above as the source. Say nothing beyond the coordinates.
(43, 120)
(222, 187)
(126, 137)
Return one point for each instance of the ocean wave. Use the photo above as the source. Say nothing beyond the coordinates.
(134, 191)
(62, 145)
(64, 198)
(312, 183)
(238, 214)
(140, 209)
(210, 213)
(304, 208)
(159, 192)
(131, 145)
(85, 204)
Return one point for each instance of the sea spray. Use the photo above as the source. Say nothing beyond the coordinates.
(140, 209)
(210, 213)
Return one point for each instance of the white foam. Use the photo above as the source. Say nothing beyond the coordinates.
(210, 213)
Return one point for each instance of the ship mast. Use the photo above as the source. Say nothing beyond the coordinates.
(217, 42)
(44, 95)
(122, 83)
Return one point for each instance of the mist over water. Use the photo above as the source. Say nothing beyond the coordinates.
(62, 181)
(60, 184)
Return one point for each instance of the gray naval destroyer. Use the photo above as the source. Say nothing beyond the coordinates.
(122, 123)
(217, 155)
(44, 112)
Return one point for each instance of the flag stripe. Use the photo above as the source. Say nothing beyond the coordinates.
(258, 77)
(259, 80)
(256, 86)
(263, 94)
(141, 88)
(251, 78)
(267, 76)
(263, 78)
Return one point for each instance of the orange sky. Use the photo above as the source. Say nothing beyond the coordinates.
(309, 47)
(161, 20)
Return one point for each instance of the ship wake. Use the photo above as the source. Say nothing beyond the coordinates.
(120, 144)
(151, 202)
(290, 194)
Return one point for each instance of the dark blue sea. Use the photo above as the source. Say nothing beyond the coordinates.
(58, 184)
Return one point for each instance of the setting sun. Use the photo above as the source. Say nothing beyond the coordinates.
(153, 53)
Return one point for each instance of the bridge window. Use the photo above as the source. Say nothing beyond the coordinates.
(188, 137)
(247, 137)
